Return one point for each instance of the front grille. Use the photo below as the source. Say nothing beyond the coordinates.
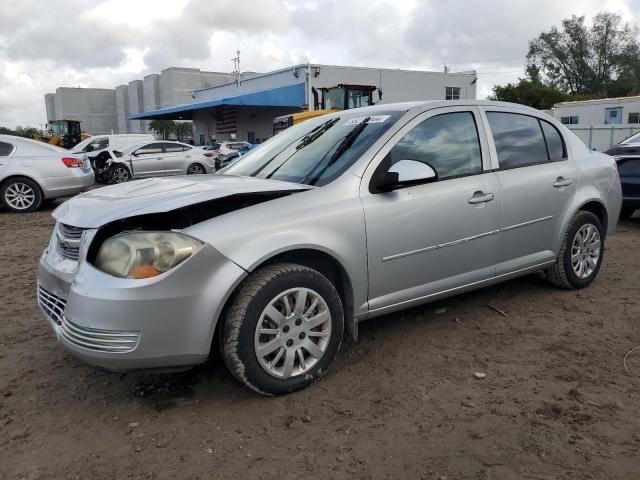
(52, 305)
(69, 239)
(99, 340)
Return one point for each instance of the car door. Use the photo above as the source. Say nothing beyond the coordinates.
(176, 157)
(435, 237)
(538, 181)
(148, 161)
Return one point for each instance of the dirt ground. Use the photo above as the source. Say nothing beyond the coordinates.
(556, 402)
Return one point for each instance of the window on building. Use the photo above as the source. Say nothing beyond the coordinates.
(452, 93)
(518, 139)
(448, 143)
(5, 149)
(573, 120)
(634, 117)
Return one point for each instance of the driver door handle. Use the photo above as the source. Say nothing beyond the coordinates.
(481, 197)
(562, 182)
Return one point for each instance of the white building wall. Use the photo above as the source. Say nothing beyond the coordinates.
(122, 109)
(94, 108)
(592, 112)
(136, 104)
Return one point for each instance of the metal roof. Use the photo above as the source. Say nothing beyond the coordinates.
(287, 96)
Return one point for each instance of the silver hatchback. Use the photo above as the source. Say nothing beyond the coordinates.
(336, 220)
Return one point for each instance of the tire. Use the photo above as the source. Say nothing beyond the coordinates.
(240, 339)
(21, 195)
(562, 273)
(196, 169)
(119, 174)
(627, 212)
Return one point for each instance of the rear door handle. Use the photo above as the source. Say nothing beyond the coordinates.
(562, 182)
(481, 197)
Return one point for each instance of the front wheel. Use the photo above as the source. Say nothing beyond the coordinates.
(581, 253)
(283, 329)
(119, 174)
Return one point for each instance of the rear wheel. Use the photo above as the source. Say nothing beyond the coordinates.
(196, 169)
(283, 329)
(581, 253)
(627, 212)
(119, 174)
(21, 195)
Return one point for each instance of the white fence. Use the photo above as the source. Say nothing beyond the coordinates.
(603, 137)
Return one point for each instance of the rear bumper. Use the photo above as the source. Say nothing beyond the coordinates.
(120, 324)
(66, 186)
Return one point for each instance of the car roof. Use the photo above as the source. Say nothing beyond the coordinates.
(30, 146)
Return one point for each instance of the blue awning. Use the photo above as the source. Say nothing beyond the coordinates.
(287, 96)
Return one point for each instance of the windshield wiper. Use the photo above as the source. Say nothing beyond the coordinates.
(344, 145)
(316, 133)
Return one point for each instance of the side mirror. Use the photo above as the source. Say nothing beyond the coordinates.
(405, 173)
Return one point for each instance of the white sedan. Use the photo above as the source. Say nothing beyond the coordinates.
(157, 159)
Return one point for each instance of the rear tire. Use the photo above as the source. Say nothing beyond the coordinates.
(581, 253)
(196, 169)
(627, 212)
(21, 195)
(283, 329)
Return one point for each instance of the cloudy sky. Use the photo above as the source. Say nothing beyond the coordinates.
(44, 45)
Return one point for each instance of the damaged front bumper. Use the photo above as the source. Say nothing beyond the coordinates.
(119, 324)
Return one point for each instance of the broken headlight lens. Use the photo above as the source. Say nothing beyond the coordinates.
(144, 254)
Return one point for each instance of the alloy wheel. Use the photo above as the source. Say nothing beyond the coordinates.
(585, 251)
(119, 175)
(292, 333)
(20, 196)
(195, 169)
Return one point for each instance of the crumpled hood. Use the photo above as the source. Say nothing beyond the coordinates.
(98, 207)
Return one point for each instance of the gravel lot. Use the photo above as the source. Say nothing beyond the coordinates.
(556, 402)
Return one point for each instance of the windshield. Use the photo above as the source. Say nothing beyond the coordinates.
(80, 147)
(316, 151)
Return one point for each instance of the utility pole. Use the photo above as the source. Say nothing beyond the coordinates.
(236, 67)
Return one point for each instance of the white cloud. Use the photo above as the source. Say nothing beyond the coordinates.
(44, 45)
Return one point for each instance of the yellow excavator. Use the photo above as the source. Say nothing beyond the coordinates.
(63, 133)
(339, 97)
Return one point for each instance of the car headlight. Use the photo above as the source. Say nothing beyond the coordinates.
(144, 254)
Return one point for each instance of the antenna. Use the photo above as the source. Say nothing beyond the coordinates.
(236, 67)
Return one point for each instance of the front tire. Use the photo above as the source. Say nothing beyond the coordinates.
(21, 195)
(119, 174)
(581, 253)
(283, 329)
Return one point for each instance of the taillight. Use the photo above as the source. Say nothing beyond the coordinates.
(208, 154)
(71, 162)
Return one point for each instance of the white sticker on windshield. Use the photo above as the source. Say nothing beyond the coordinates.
(372, 119)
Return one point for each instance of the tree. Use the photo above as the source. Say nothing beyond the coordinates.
(27, 132)
(162, 127)
(529, 91)
(595, 61)
(184, 131)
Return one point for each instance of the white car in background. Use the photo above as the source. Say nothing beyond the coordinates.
(33, 171)
(157, 159)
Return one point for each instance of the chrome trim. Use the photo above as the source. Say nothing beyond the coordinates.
(466, 239)
(110, 341)
(524, 224)
(69, 239)
(52, 305)
(440, 245)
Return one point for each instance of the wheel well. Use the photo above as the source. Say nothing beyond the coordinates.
(599, 210)
(12, 177)
(324, 263)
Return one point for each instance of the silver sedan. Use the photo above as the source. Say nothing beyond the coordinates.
(33, 171)
(157, 159)
(339, 219)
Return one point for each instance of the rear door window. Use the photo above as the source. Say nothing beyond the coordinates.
(5, 149)
(150, 149)
(173, 148)
(518, 139)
